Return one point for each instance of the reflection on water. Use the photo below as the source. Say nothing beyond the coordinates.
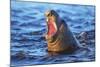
(28, 26)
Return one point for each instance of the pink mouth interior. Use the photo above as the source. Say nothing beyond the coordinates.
(51, 28)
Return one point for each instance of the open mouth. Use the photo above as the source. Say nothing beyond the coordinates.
(51, 28)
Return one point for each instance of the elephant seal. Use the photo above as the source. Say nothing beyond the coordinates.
(59, 37)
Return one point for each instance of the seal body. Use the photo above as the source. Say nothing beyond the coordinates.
(62, 40)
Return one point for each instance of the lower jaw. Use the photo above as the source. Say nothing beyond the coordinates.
(49, 36)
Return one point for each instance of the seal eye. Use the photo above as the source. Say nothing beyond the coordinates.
(49, 15)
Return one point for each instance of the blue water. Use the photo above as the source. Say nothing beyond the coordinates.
(28, 27)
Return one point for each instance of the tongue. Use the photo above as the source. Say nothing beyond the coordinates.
(51, 29)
